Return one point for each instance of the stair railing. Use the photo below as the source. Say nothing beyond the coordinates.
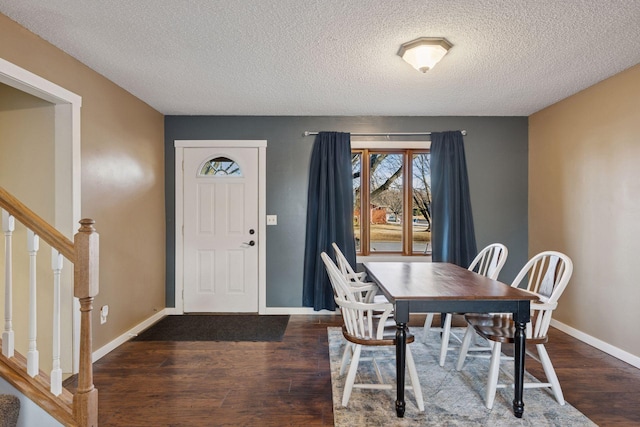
(81, 407)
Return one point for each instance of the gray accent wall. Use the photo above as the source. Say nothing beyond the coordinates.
(496, 150)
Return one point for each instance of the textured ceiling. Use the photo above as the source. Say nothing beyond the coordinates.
(338, 57)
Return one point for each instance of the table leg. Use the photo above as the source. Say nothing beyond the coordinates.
(520, 335)
(401, 358)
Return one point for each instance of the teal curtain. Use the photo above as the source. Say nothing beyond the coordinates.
(452, 235)
(329, 215)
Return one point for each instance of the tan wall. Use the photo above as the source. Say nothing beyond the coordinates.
(122, 180)
(27, 147)
(584, 200)
(26, 150)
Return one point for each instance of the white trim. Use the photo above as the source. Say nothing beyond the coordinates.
(67, 172)
(262, 228)
(597, 343)
(401, 145)
(231, 143)
(131, 333)
(26, 81)
(179, 240)
(261, 145)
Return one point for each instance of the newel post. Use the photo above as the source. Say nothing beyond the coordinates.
(85, 272)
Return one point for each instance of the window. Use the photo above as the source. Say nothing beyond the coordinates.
(220, 166)
(394, 186)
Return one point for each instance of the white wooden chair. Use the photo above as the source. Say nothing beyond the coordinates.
(366, 291)
(488, 262)
(347, 270)
(546, 275)
(366, 326)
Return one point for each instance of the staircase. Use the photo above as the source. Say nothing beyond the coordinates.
(9, 410)
(23, 372)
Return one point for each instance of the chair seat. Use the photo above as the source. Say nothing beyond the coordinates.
(498, 328)
(388, 337)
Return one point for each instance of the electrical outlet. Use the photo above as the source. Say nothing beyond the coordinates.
(104, 312)
(272, 219)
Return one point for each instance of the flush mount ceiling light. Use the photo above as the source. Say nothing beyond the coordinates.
(424, 53)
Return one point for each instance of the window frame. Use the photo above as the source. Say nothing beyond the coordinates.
(220, 158)
(407, 149)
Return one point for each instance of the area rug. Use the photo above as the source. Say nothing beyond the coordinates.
(451, 398)
(241, 327)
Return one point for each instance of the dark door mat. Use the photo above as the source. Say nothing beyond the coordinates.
(195, 327)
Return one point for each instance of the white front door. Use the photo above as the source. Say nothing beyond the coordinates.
(220, 229)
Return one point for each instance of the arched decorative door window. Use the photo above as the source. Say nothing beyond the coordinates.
(220, 166)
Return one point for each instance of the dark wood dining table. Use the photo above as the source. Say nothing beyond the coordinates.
(434, 287)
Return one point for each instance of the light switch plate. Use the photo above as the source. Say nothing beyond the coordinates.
(272, 219)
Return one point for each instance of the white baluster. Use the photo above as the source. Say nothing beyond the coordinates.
(8, 226)
(33, 244)
(56, 371)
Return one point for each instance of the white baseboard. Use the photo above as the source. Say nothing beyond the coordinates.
(599, 344)
(99, 353)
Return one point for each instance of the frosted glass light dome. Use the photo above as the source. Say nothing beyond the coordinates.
(424, 53)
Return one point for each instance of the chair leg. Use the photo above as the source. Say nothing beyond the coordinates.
(550, 373)
(427, 327)
(351, 376)
(346, 355)
(446, 331)
(494, 370)
(415, 382)
(464, 348)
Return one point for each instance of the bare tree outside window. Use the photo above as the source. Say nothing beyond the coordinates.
(383, 197)
(421, 195)
(356, 170)
(385, 182)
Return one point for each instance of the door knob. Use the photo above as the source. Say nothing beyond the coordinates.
(250, 243)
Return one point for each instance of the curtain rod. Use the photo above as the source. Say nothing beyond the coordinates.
(308, 133)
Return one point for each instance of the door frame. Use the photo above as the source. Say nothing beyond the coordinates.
(67, 179)
(261, 145)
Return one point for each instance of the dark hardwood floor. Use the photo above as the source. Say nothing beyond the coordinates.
(288, 383)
